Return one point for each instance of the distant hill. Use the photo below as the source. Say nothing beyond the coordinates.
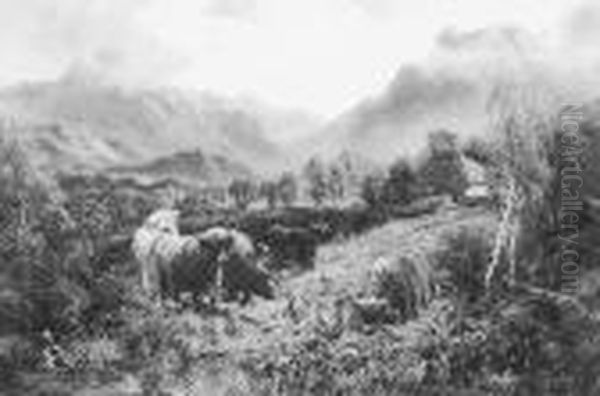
(74, 125)
(449, 90)
(397, 121)
(191, 168)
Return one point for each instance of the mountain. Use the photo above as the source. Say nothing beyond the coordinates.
(396, 122)
(190, 168)
(448, 90)
(78, 125)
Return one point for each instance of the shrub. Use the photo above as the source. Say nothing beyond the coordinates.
(464, 260)
(315, 174)
(444, 170)
(406, 282)
(287, 188)
(401, 185)
(372, 190)
(243, 193)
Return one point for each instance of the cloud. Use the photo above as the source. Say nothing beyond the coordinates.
(231, 8)
(584, 22)
(376, 8)
(321, 55)
(102, 36)
(496, 39)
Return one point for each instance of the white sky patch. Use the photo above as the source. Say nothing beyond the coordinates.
(318, 55)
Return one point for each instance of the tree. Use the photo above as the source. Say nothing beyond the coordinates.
(480, 151)
(316, 175)
(268, 191)
(444, 170)
(243, 193)
(442, 141)
(401, 185)
(372, 190)
(336, 183)
(287, 188)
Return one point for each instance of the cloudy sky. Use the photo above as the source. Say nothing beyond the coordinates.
(321, 55)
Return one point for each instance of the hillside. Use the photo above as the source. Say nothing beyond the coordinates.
(72, 124)
(449, 90)
(191, 168)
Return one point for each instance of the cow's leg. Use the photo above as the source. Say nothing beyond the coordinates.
(151, 281)
(219, 283)
(245, 297)
(215, 293)
(167, 286)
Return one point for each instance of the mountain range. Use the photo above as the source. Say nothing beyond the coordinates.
(77, 124)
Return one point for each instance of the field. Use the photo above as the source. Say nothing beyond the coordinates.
(239, 349)
(446, 272)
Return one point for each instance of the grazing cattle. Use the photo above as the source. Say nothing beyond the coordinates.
(163, 221)
(242, 276)
(291, 246)
(186, 264)
(171, 263)
(241, 245)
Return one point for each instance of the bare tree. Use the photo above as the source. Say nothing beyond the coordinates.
(316, 175)
(243, 193)
(521, 116)
(287, 188)
(268, 191)
(336, 183)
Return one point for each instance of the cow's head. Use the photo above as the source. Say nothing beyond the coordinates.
(219, 240)
(164, 220)
(264, 284)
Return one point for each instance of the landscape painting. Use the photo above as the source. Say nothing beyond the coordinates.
(299, 197)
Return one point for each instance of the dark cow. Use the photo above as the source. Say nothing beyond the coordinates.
(192, 266)
(242, 276)
(291, 247)
(171, 264)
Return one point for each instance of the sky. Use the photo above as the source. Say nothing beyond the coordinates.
(319, 55)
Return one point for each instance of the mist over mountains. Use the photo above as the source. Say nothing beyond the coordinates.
(453, 87)
(77, 124)
(84, 123)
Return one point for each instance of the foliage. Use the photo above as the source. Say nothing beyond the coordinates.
(243, 193)
(336, 183)
(268, 189)
(444, 170)
(372, 190)
(480, 150)
(282, 191)
(316, 176)
(287, 188)
(464, 262)
(400, 187)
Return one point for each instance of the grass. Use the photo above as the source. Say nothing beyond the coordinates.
(303, 341)
(306, 341)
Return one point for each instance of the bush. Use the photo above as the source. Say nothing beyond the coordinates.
(444, 170)
(401, 186)
(464, 260)
(406, 282)
(243, 193)
(372, 190)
